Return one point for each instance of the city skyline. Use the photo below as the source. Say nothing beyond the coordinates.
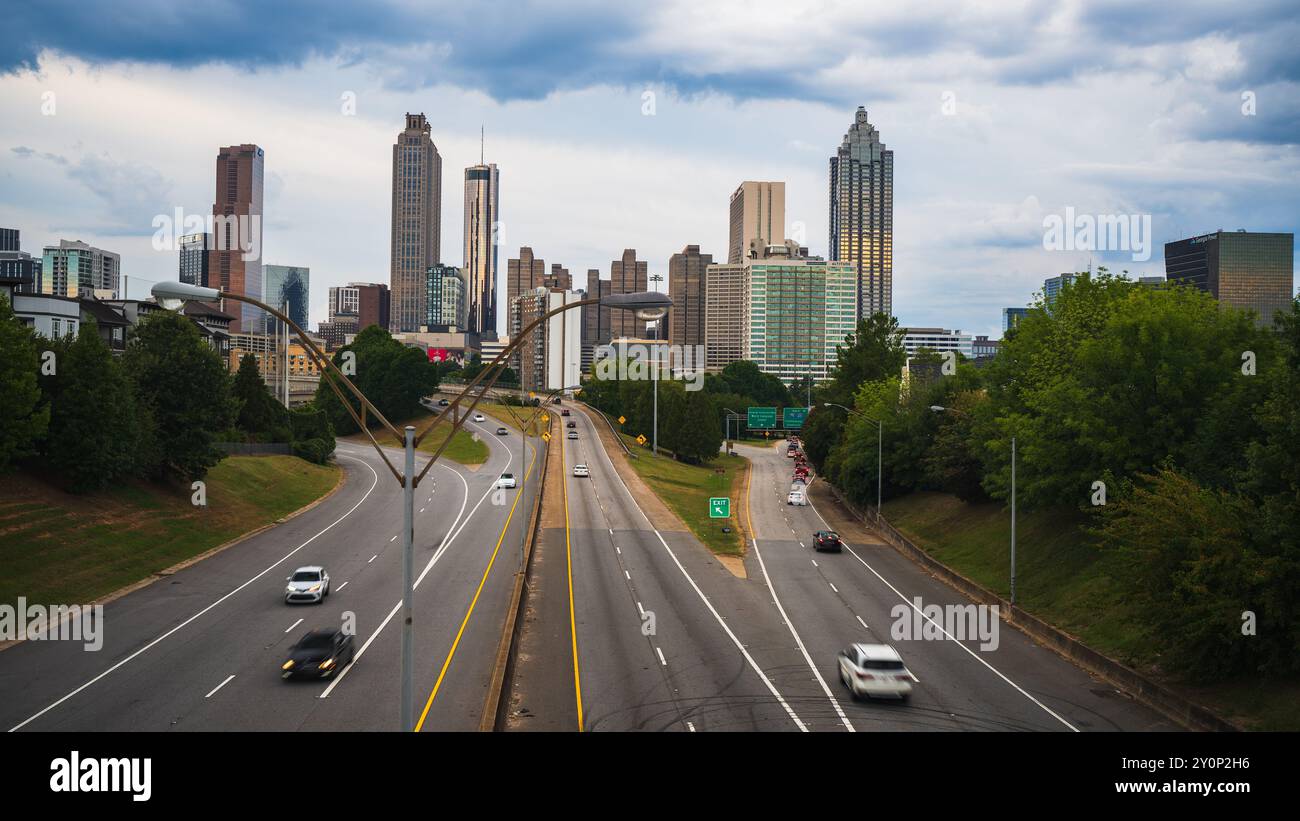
(984, 164)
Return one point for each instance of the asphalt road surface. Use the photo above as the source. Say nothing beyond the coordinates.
(202, 649)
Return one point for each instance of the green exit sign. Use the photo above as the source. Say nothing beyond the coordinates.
(793, 418)
(759, 418)
(719, 507)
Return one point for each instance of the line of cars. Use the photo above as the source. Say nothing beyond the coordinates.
(867, 670)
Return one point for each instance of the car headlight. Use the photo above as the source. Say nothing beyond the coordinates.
(288, 664)
(327, 664)
(315, 588)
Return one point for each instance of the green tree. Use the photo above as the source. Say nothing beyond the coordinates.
(95, 425)
(389, 374)
(873, 352)
(259, 415)
(26, 417)
(699, 439)
(183, 385)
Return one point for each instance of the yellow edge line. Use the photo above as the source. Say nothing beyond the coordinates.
(452, 652)
(568, 553)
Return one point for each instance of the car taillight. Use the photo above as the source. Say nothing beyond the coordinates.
(866, 676)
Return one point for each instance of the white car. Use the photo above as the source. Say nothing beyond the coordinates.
(478, 417)
(307, 584)
(573, 434)
(796, 497)
(581, 471)
(507, 480)
(875, 670)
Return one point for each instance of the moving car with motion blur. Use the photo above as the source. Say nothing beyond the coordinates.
(320, 653)
(581, 471)
(507, 480)
(501, 431)
(875, 670)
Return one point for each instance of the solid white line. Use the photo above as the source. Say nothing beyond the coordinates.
(718, 617)
(662, 660)
(452, 533)
(295, 624)
(341, 586)
(191, 619)
(848, 725)
(219, 686)
(972, 654)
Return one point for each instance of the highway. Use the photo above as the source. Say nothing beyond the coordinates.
(202, 649)
(758, 652)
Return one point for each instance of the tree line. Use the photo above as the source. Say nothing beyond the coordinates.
(1171, 420)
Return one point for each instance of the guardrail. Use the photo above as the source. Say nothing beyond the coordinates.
(1145, 690)
(617, 438)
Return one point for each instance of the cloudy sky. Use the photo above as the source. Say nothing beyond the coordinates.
(629, 127)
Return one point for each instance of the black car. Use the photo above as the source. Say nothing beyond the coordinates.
(502, 431)
(564, 412)
(442, 403)
(571, 425)
(827, 540)
(319, 653)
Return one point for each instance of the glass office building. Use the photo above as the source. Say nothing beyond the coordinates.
(288, 286)
(799, 311)
(862, 213)
(444, 295)
(1245, 269)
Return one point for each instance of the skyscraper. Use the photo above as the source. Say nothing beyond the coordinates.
(74, 269)
(862, 213)
(686, 282)
(757, 213)
(1052, 286)
(288, 285)
(235, 257)
(1245, 269)
(193, 268)
(445, 298)
(627, 275)
(523, 274)
(481, 218)
(416, 221)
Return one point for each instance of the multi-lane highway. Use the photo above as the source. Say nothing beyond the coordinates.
(758, 652)
(202, 649)
(633, 624)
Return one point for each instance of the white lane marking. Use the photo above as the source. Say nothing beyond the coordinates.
(295, 624)
(814, 561)
(447, 540)
(833, 587)
(771, 688)
(423, 509)
(690, 726)
(219, 686)
(848, 725)
(972, 654)
(861, 622)
(341, 586)
(640, 610)
(662, 660)
(372, 558)
(801, 544)
(627, 575)
(618, 550)
(374, 482)
(394, 538)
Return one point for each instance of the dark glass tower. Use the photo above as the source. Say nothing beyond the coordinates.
(862, 213)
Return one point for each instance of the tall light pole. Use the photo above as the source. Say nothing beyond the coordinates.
(942, 409)
(647, 305)
(880, 448)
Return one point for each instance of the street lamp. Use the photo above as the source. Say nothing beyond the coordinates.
(731, 414)
(942, 409)
(880, 447)
(648, 306)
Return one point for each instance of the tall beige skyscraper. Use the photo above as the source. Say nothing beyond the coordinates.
(757, 213)
(417, 222)
(862, 213)
(481, 221)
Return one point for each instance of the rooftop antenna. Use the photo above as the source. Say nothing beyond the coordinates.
(480, 145)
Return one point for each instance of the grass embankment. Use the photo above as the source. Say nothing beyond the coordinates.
(502, 413)
(59, 548)
(464, 448)
(1063, 578)
(686, 490)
